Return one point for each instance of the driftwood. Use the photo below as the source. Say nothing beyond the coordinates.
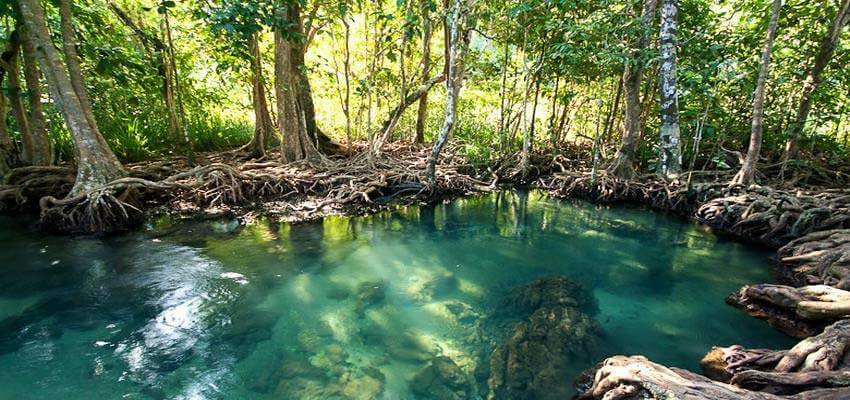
(636, 377)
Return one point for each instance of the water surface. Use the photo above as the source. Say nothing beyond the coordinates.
(348, 308)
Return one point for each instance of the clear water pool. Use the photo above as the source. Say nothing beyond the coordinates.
(348, 308)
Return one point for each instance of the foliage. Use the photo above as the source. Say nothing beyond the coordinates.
(574, 50)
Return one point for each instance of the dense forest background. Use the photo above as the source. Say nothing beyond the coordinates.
(539, 75)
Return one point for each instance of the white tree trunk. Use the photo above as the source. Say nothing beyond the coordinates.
(670, 146)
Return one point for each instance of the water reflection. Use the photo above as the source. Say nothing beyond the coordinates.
(349, 307)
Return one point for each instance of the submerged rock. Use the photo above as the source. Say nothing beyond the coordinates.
(369, 294)
(537, 360)
(409, 346)
(362, 385)
(548, 292)
(442, 379)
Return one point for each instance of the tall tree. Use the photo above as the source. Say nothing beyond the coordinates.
(454, 80)
(670, 164)
(157, 51)
(746, 175)
(96, 164)
(11, 66)
(302, 138)
(632, 76)
(263, 125)
(422, 113)
(294, 100)
(7, 147)
(41, 152)
(813, 77)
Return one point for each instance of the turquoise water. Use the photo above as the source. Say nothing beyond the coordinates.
(349, 308)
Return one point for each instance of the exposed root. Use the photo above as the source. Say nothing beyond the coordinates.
(818, 258)
(799, 312)
(636, 377)
(819, 361)
(219, 185)
(776, 216)
(649, 190)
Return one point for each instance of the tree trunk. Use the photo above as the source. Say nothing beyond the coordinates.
(11, 66)
(671, 147)
(454, 80)
(504, 110)
(422, 113)
(347, 67)
(632, 76)
(294, 100)
(813, 78)
(612, 115)
(42, 150)
(72, 60)
(292, 74)
(96, 164)
(168, 92)
(528, 138)
(746, 176)
(391, 122)
(7, 148)
(185, 141)
(263, 126)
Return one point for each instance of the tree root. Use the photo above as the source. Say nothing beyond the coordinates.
(798, 312)
(818, 361)
(636, 377)
(818, 258)
(220, 184)
(776, 216)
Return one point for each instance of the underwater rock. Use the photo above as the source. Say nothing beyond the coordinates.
(369, 294)
(408, 346)
(538, 357)
(548, 292)
(364, 385)
(534, 363)
(441, 379)
(326, 375)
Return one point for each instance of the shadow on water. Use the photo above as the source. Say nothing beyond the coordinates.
(397, 305)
